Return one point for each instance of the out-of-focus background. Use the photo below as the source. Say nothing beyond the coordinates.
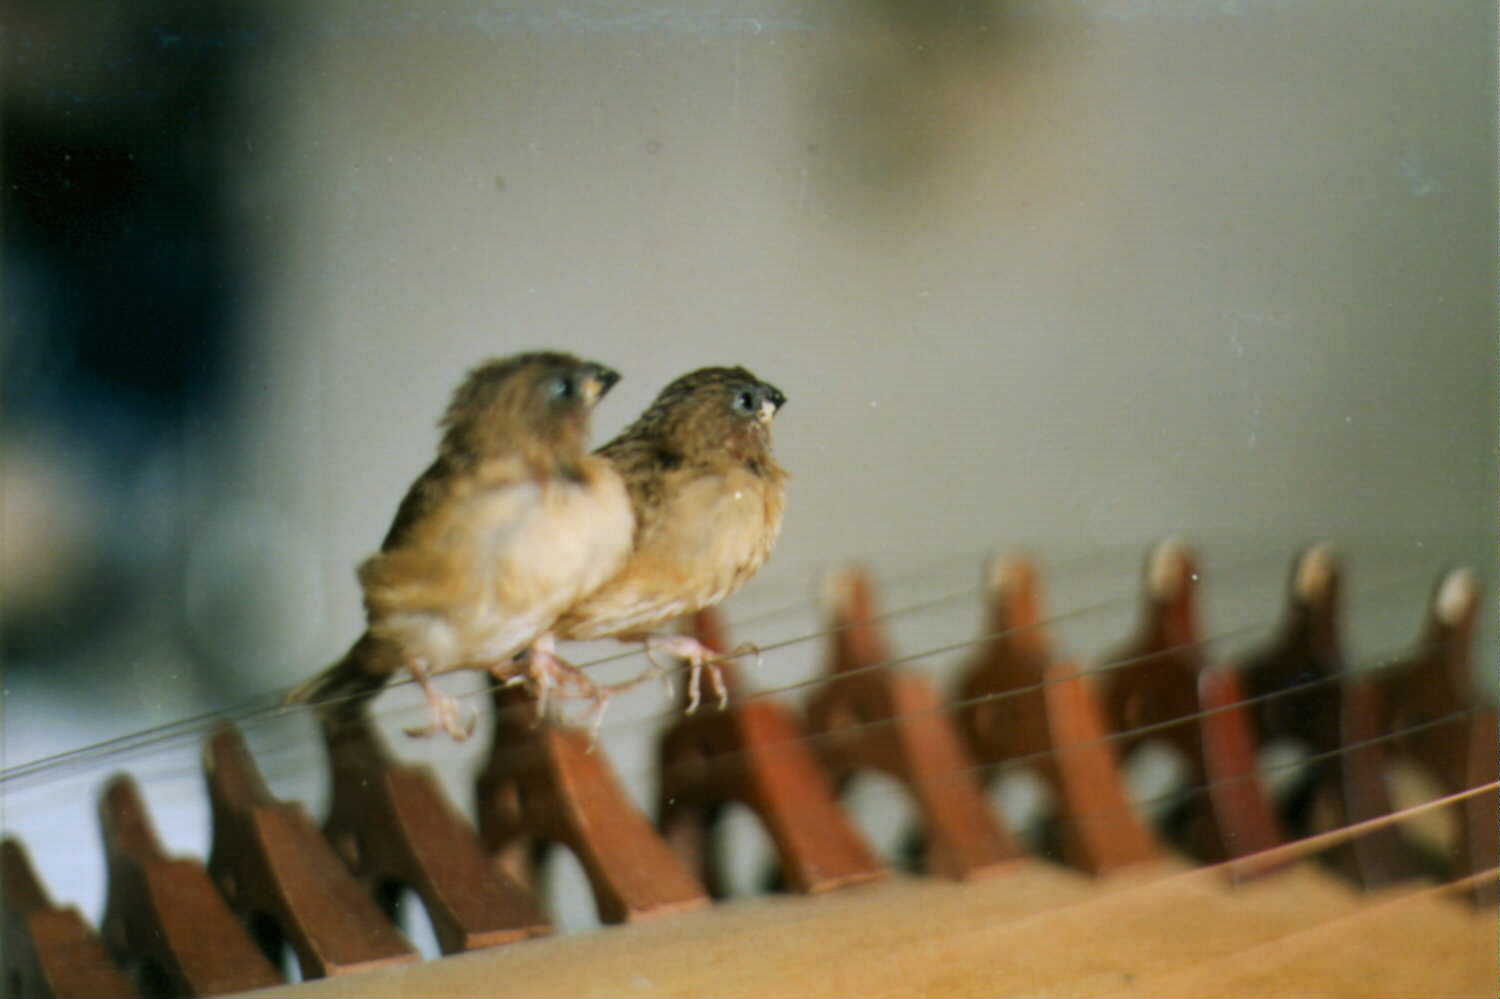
(1070, 275)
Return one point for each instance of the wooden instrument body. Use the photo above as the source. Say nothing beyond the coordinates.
(1245, 898)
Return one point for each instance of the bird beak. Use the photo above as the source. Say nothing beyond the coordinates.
(597, 381)
(771, 401)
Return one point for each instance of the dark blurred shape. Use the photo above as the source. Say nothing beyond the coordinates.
(124, 285)
(892, 110)
(970, 19)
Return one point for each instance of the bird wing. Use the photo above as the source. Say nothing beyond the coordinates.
(699, 535)
(424, 495)
(446, 536)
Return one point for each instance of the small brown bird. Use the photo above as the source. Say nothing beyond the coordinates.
(708, 499)
(511, 525)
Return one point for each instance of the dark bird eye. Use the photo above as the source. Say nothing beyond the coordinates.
(561, 387)
(745, 402)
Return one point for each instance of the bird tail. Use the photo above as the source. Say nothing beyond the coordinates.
(343, 689)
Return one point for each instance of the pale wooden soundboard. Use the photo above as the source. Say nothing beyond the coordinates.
(1037, 929)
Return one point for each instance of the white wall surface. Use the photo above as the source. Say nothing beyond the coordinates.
(1055, 273)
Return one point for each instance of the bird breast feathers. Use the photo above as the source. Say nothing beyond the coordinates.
(509, 546)
(692, 552)
(726, 523)
(578, 535)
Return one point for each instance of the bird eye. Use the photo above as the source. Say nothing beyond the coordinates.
(745, 402)
(561, 387)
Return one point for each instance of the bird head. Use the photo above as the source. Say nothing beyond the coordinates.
(714, 410)
(537, 403)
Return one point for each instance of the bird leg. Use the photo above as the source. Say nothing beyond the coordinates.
(544, 670)
(541, 670)
(444, 709)
(699, 657)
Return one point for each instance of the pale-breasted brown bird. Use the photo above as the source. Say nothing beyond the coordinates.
(511, 525)
(708, 497)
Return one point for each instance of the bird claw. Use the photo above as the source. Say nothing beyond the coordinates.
(748, 649)
(596, 717)
(447, 715)
(700, 658)
(715, 680)
(544, 671)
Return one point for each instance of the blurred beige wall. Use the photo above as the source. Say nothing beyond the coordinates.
(1072, 275)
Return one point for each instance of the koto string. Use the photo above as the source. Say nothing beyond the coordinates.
(269, 706)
